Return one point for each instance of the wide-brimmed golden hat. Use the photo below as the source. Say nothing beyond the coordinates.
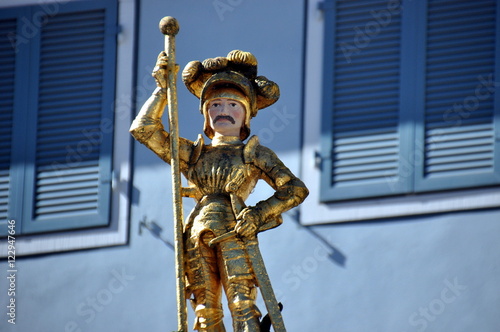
(237, 69)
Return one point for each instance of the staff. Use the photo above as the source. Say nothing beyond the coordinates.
(169, 27)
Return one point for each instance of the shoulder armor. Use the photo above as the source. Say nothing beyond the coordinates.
(197, 147)
(250, 149)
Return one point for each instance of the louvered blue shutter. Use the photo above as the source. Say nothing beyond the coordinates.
(13, 52)
(362, 140)
(7, 96)
(72, 73)
(457, 130)
(8, 60)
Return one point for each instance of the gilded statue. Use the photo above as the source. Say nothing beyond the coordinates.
(220, 233)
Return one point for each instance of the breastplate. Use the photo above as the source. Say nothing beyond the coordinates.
(222, 168)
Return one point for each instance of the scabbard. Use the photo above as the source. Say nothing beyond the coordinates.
(264, 283)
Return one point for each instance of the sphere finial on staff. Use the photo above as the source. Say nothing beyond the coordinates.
(169, 26)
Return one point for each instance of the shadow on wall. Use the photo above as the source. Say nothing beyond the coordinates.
(334, 254)
(155, 230)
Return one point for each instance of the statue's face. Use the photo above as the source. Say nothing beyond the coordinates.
(226, 116)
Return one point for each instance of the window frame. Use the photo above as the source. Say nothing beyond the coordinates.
(313, 211)
(116, 233)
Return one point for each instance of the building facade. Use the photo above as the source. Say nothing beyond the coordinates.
(389, 112)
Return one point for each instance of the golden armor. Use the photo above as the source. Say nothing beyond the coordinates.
(220, 232)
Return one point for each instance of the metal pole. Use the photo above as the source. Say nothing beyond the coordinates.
(169, 27)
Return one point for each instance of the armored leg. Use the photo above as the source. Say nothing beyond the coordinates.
(208, 311)
(205, 285)
(241, 295)
(239, 284)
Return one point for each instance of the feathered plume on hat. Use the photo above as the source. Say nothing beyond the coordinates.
(238, 69)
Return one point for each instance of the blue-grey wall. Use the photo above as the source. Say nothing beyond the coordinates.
(427, 273)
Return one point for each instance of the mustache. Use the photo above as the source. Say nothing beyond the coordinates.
(224, 117)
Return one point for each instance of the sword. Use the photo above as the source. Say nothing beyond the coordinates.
(253, 251)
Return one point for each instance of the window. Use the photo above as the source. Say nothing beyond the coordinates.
(408, 103)
(58, 158)
(409, 106)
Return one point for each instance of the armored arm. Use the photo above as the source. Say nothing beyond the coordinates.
(290, 190)
(147, 127)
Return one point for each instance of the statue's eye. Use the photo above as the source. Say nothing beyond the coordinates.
(233, 104)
